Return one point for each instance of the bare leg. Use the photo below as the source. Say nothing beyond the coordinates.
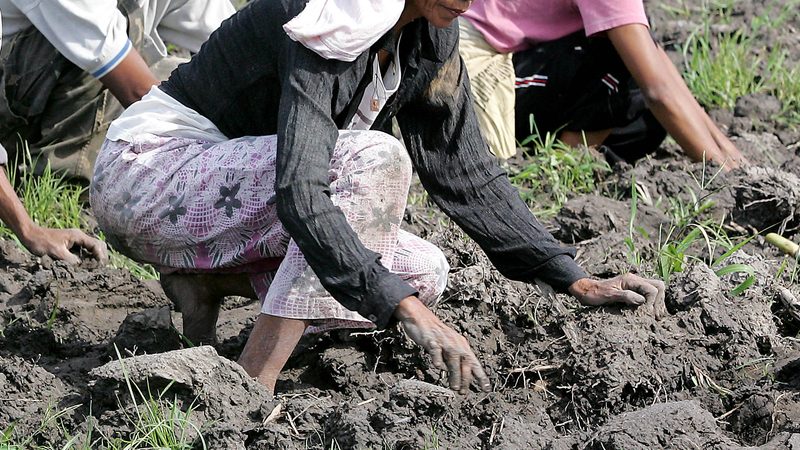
(269, 346)
(199, 296)
(593, 138)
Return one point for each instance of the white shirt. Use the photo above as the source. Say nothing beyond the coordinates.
(377, 93)
(93, 34)
(90, 33)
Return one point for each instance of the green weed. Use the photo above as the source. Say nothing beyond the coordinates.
(688, 235)
(776, 15)
(139, 270)
(720, 69)
(432, 441)
(48, 198)
(553, 171)
(634, 255)
(51, 418)
(681, 244)
(158, 423)
(785, 86)
(53, 314)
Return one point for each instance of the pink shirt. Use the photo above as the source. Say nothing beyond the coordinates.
(514, 25)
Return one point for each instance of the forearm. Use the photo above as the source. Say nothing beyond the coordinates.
(491, 212)
(684, 121)
(12, 212)
(466, 182)
(699, 118)
(665, 92)
(130, 80)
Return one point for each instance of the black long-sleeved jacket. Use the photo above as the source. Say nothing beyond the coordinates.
(251, 79)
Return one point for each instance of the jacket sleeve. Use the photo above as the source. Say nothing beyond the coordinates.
(307, 135)
(441, 131)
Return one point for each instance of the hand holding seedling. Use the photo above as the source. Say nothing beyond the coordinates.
(449, 350)
(628, 289)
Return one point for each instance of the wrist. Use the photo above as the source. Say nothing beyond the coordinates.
(408, 308)
(581, 287)
(26, 231)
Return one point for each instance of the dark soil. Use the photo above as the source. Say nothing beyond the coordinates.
(721, 371)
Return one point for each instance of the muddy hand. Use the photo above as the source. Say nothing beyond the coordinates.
(628, 289)
(57, 243)
(449, 350)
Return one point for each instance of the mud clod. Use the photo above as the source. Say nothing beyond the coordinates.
(674, 425)
(148, 331)
(767, 199)
(220, 390)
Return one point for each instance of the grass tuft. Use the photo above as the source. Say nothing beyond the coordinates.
(54, 202)
(720, 69)
(552, 172)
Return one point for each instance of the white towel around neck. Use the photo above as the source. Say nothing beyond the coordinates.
(343, 29)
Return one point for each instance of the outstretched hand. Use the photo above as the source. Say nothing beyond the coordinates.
(57, 243)
(449, 350)
(627, 289)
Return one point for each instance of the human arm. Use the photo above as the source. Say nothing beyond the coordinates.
(307, 137)
(39, 240)
(93, 36)
(669, 98)
(453, 163)
(130, 80)
(351, 273)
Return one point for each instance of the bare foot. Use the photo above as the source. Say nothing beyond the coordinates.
(269, 346)
(199, 296)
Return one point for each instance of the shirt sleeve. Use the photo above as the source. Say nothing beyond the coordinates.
(307, 135)
(603, 15)
(92, 34)
(190, 25)
(441, 131)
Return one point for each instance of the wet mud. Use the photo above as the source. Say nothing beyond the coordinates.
(721, 371)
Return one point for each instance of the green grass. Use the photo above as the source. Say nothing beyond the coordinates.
(705, 11)
(785, 82)
(721, 67)
(157, 423)
(552, 172)
(53, 202)
(682, 244)
(49, 200)
(10, 441)
(688, 237)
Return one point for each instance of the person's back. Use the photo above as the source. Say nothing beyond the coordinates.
(234, 81)
(515, 25)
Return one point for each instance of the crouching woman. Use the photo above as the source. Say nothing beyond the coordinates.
(263, 167)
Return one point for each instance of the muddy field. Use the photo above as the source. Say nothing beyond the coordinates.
(721, 371)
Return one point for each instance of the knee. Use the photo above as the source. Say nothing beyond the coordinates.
(379, 152)
(441, 272)
(437, 273)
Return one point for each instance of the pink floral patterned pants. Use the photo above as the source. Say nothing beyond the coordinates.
(190, 206)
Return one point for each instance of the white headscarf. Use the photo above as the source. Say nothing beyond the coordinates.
(343, 29)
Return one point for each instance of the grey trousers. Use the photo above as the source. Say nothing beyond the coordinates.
(56, 110)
